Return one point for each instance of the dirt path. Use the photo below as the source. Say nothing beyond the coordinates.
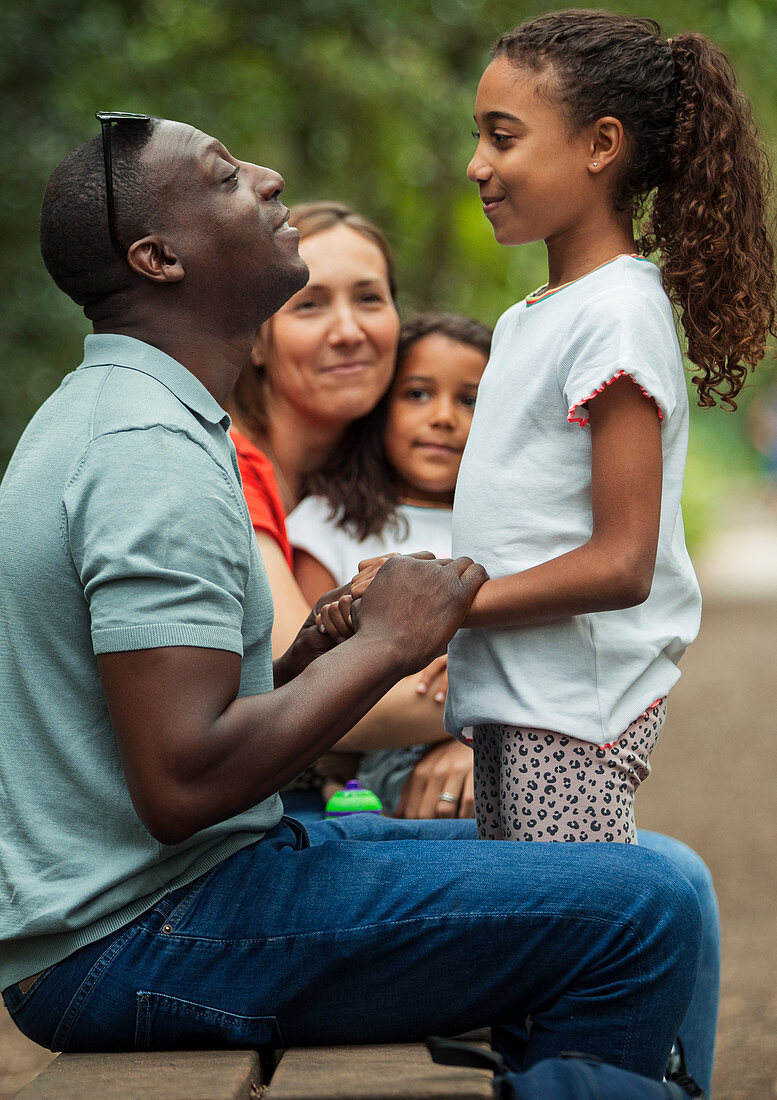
(714, 787)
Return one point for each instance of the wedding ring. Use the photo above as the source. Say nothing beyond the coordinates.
(446, 796)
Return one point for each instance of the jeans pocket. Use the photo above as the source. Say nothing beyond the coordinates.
(163, 1022)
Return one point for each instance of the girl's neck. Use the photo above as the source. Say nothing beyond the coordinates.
(578, 252)
(419, 498)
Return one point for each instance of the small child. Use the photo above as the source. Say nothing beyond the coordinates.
(569, 491)
(421, 427)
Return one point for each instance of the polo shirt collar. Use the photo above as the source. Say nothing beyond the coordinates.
(125, 351)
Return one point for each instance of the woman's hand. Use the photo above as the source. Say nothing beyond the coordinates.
(434, 678)
(446, 769)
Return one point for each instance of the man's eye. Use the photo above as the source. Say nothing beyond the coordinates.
(232, 175)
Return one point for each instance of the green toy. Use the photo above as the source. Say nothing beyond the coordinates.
(355, 799)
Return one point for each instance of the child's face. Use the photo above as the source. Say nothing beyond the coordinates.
(429, 416)
(533, 177)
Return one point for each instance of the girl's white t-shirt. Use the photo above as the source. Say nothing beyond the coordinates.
(312, 527)
(523, 496)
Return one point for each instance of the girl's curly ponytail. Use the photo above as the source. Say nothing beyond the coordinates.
(709, 223)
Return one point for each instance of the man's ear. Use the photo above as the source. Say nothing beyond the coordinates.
(155, 259)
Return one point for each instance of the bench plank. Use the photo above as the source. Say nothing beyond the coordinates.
(164, 1075)
(383, 1072)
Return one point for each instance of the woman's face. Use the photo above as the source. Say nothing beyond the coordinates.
(331, 348)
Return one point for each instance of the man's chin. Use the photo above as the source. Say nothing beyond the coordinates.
(284, 285)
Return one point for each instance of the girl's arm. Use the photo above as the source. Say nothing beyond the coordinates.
(614, 569)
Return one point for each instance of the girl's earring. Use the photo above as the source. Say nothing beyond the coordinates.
(596, 164)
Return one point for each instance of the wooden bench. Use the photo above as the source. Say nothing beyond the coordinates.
(401, 1071)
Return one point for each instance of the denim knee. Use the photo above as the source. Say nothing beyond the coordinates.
(672, 916)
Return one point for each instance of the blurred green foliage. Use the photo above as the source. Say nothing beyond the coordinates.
(370, 103)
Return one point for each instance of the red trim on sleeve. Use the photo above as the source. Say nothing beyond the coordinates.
(260, 488)
(582, 421)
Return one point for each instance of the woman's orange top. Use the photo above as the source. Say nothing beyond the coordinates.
(260, 488)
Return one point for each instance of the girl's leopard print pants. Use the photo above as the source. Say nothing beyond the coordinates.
(535, 785)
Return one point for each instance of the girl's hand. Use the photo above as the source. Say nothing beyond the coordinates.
(369, 567)
(445, 769)
(434, 678)
(367, 571)
(333, 617)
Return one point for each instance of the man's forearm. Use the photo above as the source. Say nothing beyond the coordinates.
(204, 770)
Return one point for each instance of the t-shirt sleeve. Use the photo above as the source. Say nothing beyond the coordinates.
(631, 334)
(312, 528)
(158, 536)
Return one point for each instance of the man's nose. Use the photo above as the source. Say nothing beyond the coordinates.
(268, 183)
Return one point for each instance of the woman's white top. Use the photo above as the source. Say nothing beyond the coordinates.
(312, 527)
(524, 496)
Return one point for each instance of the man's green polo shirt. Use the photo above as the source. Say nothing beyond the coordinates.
(122, 526)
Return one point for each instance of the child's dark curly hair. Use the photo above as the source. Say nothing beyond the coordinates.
(693, 149)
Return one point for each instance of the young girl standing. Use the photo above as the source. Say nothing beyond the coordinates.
(569, 490)
(405, 503)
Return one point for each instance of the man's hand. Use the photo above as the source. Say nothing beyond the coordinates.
(336, 617)
(310, 641)
(370, 566)
(417, 605)
(446, 769)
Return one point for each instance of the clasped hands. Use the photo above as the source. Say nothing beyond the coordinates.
(336, 620)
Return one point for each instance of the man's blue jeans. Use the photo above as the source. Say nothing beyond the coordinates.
(369, 934)
(699, 1025)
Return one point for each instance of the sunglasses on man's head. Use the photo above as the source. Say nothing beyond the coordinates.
(106, 120)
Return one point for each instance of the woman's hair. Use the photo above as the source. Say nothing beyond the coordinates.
(248, 398)
(361, 487)
(694, 149)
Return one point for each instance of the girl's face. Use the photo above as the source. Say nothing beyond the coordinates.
(331, 348)
(533, 177)
(429, 415)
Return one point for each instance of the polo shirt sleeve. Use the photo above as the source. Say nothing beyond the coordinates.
(616, 335)
(160, 541)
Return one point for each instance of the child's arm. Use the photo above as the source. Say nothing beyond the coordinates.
(614, 569)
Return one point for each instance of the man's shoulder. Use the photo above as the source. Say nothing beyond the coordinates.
(125, 399)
